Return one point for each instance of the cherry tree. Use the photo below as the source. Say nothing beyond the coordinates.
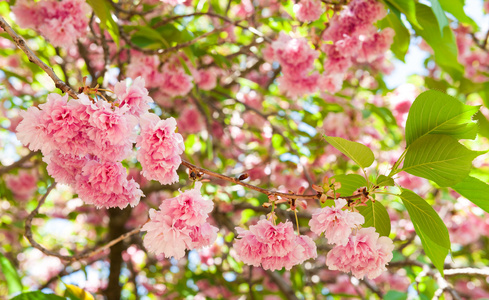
(179, 149)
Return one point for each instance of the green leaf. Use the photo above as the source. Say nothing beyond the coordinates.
(395, 295)
(360, 154)
(376, 216)
(440, 158)
(349, 183)
(429, 227)
(383, 180)
(435, 252)
(101, 9)
(482, 123)
(456, 8)
(37, 295)
(434, 112)
(14, 284)
(475, 190)
(402, 37)
(439, 14)
(76, 293)
(408, 8)
(443, 45)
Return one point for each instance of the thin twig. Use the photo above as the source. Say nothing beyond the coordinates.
(21, 43)
(79, 256)
(18, 163)
(259, 189)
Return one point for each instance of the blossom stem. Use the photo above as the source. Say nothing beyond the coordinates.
(21, 43)
(195, 168)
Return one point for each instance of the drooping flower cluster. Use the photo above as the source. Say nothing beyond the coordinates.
(180, 224)
(83, 142)
(273, 246)
(362, 253)
(296, 58)
(365, 254)
(336, 223)
(160, 148)
(61, 22)
(354, 40)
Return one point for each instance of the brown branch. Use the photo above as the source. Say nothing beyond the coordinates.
(28, 234)
(20, 42)
(214, 15)
(259, 189)
(18, 163)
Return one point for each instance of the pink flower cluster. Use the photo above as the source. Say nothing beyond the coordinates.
(308, 10)
(273, 246)
(180, 224)
(61, 22)
(355, 40)
(365, 254)
(336, 223)
(160, 148)
(84, 142)
(296, 58)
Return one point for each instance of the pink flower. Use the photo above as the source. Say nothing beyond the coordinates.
(61, 22)
(336, 223)
(160, 148)
(206, 79)
(22, 185)
(105, 184)
(298, 86)
(180, 224)
(111, 125)
(56, 126)
(273, 246)
(308, 10)
(365, 254)
(191, 120)
(368, 11)
(189, 206)
(64, 167)
(294, 55)
(145, 66)
(175, 82)
(135, 97)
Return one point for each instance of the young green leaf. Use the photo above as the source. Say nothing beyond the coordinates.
(443, 45)
(434, 112)
(435, 252)
(474, 190)
(349, 183)
(440, 158)
(429, 227)
(402, 37)
(14, 284)
(376, 216)
(360, 154)
(383, 180)
(408, 8)
(76, 293)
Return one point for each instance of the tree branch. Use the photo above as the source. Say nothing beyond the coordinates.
(194, 168)
(18, 163)
(20, 42)
(79, 256)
